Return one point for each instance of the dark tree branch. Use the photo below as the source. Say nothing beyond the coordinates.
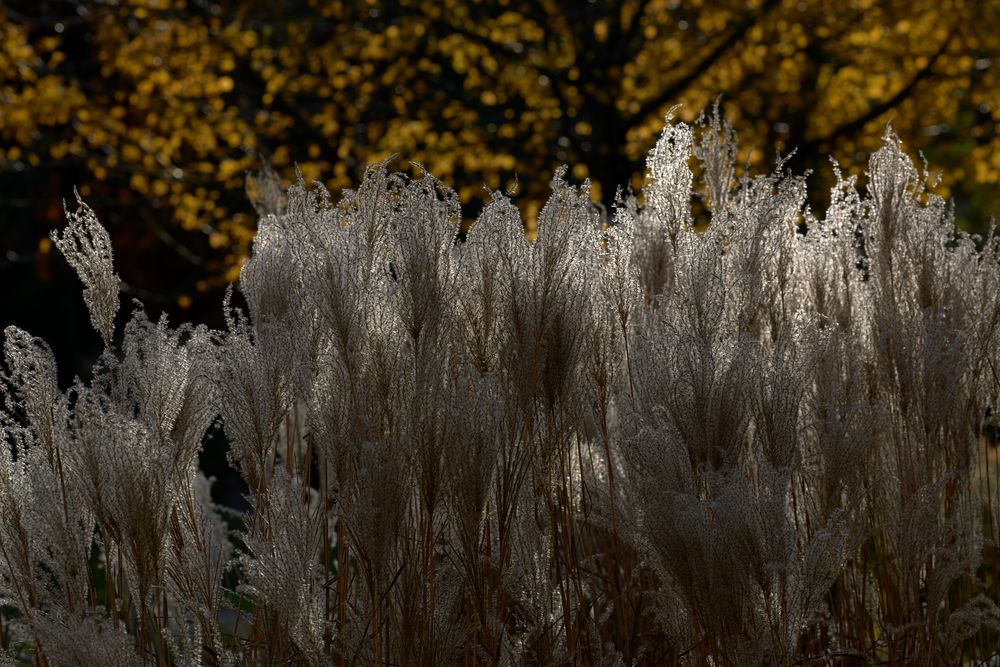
(677, 87)
(884, 106)
(630, 32)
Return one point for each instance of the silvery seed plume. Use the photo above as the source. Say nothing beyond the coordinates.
(86, 245)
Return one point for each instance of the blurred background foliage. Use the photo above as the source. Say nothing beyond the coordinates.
(157, 109)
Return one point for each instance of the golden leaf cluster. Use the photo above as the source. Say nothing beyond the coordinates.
(174, 101)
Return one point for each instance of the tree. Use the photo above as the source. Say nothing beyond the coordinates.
(172, 101)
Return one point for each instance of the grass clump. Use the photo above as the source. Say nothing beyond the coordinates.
(627, 441)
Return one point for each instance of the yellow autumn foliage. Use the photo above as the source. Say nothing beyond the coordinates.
(175, 100)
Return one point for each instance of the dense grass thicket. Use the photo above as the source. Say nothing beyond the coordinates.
(767, 440)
